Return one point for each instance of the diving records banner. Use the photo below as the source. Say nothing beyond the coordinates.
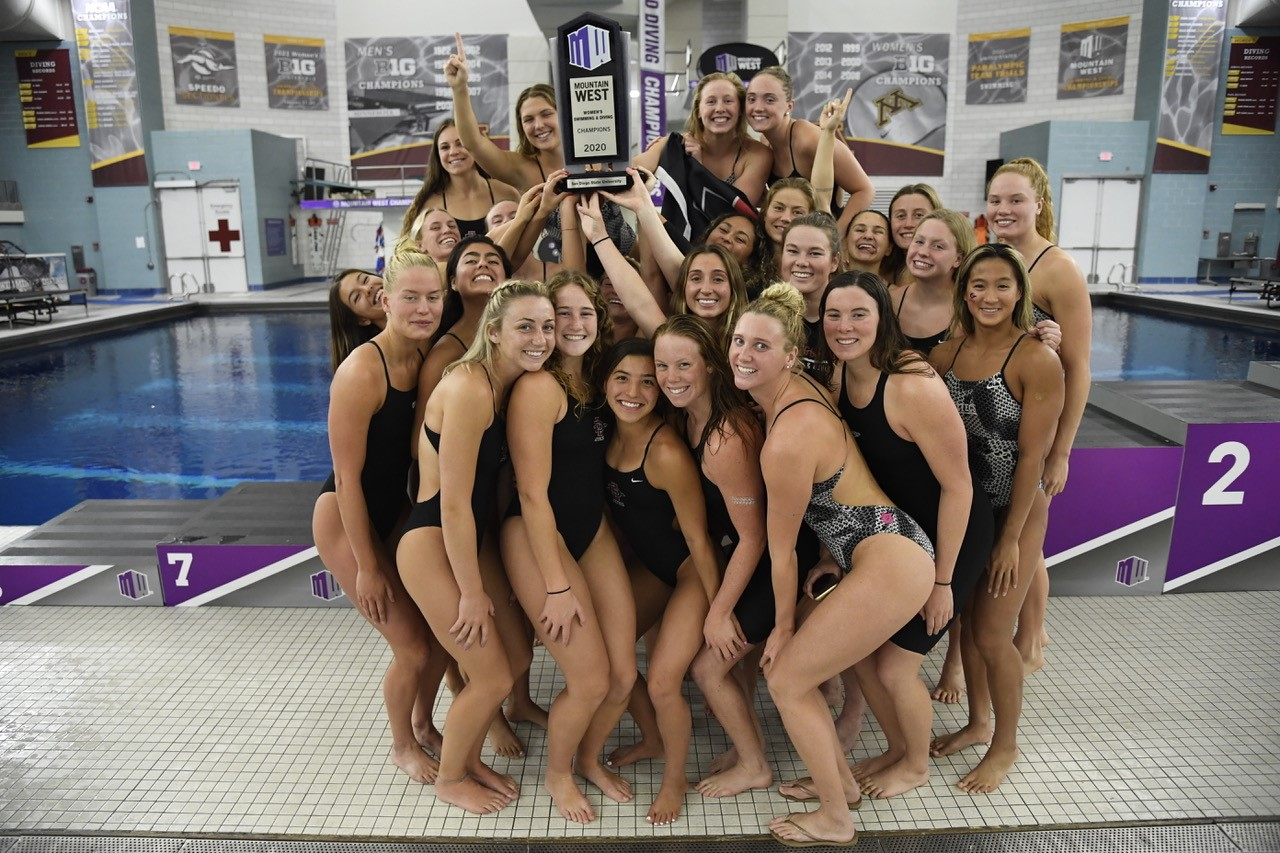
(48, 98)
(297, 76)
(1091, 58)
(1189, 90)
(397, 96)
(998, 67)
(204, 68)
(897, 120)
(1253, 81)
(109, 75)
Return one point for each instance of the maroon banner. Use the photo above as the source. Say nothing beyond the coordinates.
(1253, 82)
(47, 95)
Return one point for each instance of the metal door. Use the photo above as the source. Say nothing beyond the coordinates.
(1099, 227)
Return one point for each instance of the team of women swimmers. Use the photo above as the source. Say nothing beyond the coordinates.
(812, 484)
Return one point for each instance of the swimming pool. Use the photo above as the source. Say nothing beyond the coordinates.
(191, 408)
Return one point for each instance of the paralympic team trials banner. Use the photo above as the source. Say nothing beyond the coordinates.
(204, 68)
(109, 74)
(297, 78)
(397, 96)
(1091, 58)
(998, 67)
(1253, 80)
(898, 116)
(48, 98)
(1189, 91)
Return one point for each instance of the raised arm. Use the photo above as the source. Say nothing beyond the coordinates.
(822, 176)
(670, 467)
(657, 241)
(507, 166)
(627, 283)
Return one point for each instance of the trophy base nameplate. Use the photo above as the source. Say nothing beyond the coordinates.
(594, 181)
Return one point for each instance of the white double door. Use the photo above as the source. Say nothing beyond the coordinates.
(1098, 226)
(204, 238)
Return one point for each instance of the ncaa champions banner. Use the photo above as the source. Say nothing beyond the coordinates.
(204, 68)
(1091, 57)
(109, 72)
(898, 117)
(653, 63)
(397, 96)
(998, 67)
(297, 78)
(1189, 92)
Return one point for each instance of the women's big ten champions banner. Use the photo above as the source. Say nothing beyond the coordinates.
(1091, 58)
(1189, 91)
(897, 120)
(205, 73)
(998, 67)
(397, 96)
(297, 77)
(109, 72)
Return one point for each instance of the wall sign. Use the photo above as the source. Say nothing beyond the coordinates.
(47, 95)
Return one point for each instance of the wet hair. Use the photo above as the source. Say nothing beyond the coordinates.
(482, 350)
(694, 126)
(824, 222)
(616, 353)
(769, 251)
(581, 391)
(896, 261)
(729, 407)
(1035, 175)
(346, 332)
(959, 226)
(891, 352)
(785, 304)
(1022, 317)
(888, 228)
(737, 288)
(537, 90)
(452, 310)
(780, 74)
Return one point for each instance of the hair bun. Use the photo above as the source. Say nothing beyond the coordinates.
(784, 296)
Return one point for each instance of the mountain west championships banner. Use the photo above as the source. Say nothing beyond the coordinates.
(397, 96)
(1091, 57)
(108, 70)
(204, 68)
(898, 116)
(1253, 79)
(297, 78)
(998, 67)
(1189, 91)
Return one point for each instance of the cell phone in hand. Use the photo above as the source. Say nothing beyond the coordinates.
(823, 585)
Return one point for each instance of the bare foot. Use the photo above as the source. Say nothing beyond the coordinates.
(466, 793)
(527, 711)
(802, 791)
(670, 800)
(1033, 663)
(966, 737)
(614, 786)
(500, 783)
(503, 741)
(416, 764)
(848, 728)
(950, 689)
(805, 830)
(723, 761)
(831, 691)
(893, 780)
(642, 751)
(1044, 637)
(990, 772)
(428, 737)
(569, 799)
(867, 766)
(735, 780)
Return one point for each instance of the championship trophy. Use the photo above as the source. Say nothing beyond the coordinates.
(590, 64)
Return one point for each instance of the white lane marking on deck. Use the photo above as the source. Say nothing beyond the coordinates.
(59, 585)
(1110, 536)
(1225, 562)
(253, 577)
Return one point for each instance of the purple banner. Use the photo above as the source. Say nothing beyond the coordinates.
(1226, 512)
(194, 574)
(19, 581)
(653, 61)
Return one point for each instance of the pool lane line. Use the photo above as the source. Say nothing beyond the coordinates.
(67, 472)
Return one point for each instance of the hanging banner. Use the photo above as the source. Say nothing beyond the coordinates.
(109, 76)
(1091, 58)
(998, 67)
(204, 68)
(48, 98)
(1253, 83)
(1189, 92)
(898, 116)
(297, 78)
(653, 63)
(397, 96)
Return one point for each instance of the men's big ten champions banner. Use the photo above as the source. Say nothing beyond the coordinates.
(998, 67)
(397, 96)
(898, 116)
(1189, 91)
(204, 68)
(48, 98)
(653, 63)
(297, 78)
(1253, 79)
(109, 74)
(1091, 58)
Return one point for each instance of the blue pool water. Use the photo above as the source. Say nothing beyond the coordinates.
(191, 408)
